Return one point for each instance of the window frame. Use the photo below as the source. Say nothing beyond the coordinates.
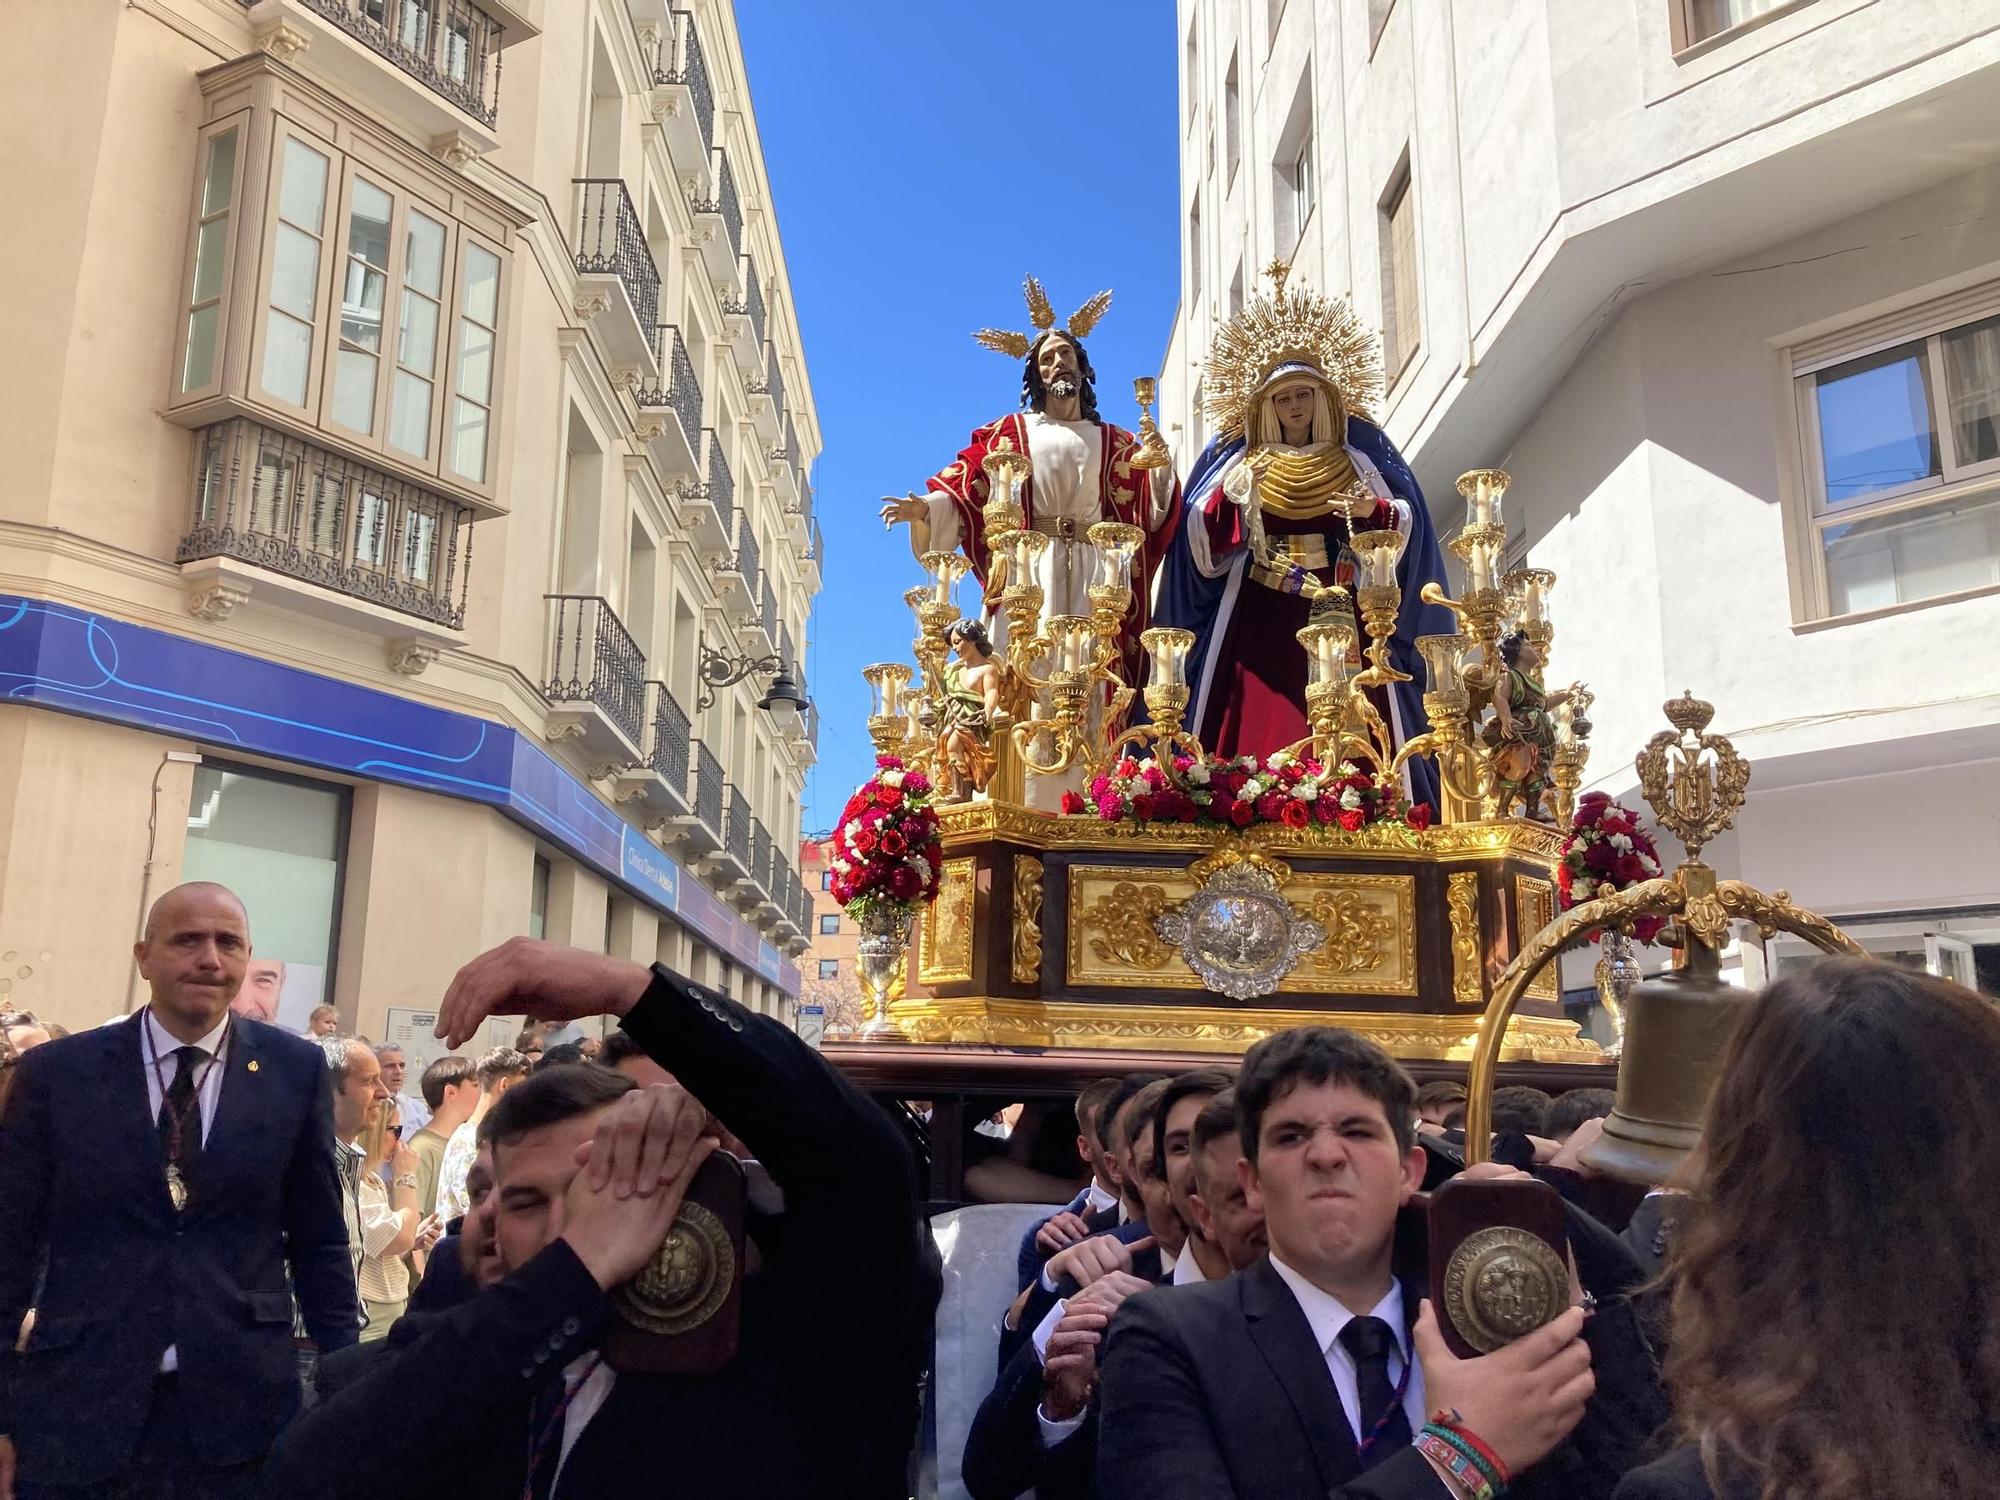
(1802, 357)
(1687, 41)
(469, 239)
(824, 918)
(829, 968)
(1409, 324)
(283, 130)
(243, 123)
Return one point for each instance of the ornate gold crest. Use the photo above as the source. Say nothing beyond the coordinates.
(686, 1281)
(1502, 1283)
(1238, 932)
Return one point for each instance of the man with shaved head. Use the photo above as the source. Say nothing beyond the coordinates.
(175, 1174)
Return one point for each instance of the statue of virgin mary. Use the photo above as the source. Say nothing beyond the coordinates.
(1294, 470)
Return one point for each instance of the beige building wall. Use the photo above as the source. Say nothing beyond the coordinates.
(689, 539)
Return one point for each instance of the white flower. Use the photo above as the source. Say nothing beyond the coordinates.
(1198, 774)
(892, 778)
(1346, 768)
(1251, 789)
(1622, 842)
(1282, 759)
(1650, 865)
(1580, 889)
(1305, 791)
(1350, 798)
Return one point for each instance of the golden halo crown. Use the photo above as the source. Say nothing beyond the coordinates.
(1291, 324)
(1043, 316)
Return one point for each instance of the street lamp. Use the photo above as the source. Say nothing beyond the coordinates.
(719, 669)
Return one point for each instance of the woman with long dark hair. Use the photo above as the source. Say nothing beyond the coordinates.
(1836, 1272)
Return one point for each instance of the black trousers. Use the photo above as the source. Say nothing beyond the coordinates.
(163, 1467)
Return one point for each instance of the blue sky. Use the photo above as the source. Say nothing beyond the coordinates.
(924, 158)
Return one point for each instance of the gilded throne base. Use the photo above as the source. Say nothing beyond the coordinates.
(1042, 936)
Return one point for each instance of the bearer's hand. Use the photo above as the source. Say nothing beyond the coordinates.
(1521, 1400)
(614, 1237)
(1060, 1232)
(903, 510)
(644, 1141)
(1089, 1260)
(525, 976)
(1069, 1368)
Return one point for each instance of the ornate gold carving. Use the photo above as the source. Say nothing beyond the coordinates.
(1694, 781)
(1502, 1282)
(1027, 955)
(1290, 324)
(945, 954)
(1534, 909)
(1239, 852)
(1462, 900)
(1363, 915)
(983, 1021)
(1117, 928)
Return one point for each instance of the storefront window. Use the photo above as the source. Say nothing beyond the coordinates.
(277, 842)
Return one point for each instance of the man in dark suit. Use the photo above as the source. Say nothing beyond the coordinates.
(1311, 1372)
(514, 1372)
(167, 1171)
(1095, 1209)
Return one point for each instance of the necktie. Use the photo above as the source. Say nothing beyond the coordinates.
(180, 1112)
(1385, 1426)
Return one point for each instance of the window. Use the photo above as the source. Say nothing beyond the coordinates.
(828, 925)
(1236, 291)
(417, 336)
(1701, 19)
(1232, 122)
(1194, 252)
(211, 255)
(293, 299)
(829, 968)
(1292, 172)
(826, 880)
(478, 326)
(278, 842)
(1192, 74)
(364, 288)
(538, 900)
(1378, 17)
(1397, 230)
(1902, 448)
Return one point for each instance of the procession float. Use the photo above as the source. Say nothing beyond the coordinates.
(1174, 766)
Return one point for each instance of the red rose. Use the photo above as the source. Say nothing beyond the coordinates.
(894, 845)
(905, 884)
(1071, 803)
(1241, 814)
(1419, 816)
(1142, 807)
(1350, 818)
(864, 841)
(1295, 815)
(890, 796)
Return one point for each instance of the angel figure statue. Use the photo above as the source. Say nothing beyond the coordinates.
(974, 707)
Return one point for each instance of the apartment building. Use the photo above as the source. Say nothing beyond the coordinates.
(410, 521)
(1718, 282)
(827, 966)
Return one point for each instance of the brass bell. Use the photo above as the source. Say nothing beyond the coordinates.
(1677, 1028)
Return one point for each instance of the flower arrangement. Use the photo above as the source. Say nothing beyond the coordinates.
(1607, 851)
(1295, 791)
(886, 850)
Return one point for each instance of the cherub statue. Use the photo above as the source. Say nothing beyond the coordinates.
(1522, 731)
(974, 707)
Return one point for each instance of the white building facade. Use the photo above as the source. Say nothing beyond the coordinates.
(1718, 283)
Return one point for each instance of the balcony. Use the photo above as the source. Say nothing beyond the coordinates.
(699, 829)
(746, 314)
(670, 407)
(683, 98)
(660, 781)
(718, 224)
(618, 285)
(805, 737)
(737, 572)
(759, 621)
(332, 537)
(767, 389)
(732, 860)
(708, 506)
(432, 63)
(597, 673)
(813, 559)
(799, 514)
(760, 854)
(785, 463)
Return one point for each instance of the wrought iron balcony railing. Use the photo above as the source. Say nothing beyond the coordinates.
(452, 47)
(750, 301)
(680, 61)
(668, 754)
(708, 786)
(785, 651)
(724, 202)
(787, 447)
(719, 486)
(282, 503)
(749, 561)
(736, 825)
(760, 853)
(678, 387)
(769, 610)
(610, 241)
(816, 548)
(593, 659)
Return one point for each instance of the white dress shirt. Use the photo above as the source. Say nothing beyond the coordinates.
(1186, 1268)
(1327, 1316)
(584, 1404)
(157, 1049)
(1096, 1199)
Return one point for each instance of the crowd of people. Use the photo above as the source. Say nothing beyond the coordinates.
(237, 1261)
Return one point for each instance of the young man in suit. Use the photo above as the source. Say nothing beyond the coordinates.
(1093, 1209)
(169, 1171)
(1310, 1373)
(502, 1396)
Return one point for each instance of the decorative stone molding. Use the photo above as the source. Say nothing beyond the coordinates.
(412, 654)
(559, 730)
(593, 304)
(649, 429)
(649, 35)
(628, 378)
(283, 42)
(217, 601)
(666, 106)
(454, 150)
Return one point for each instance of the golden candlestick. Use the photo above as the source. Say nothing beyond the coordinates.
(1006, 471)
(1167, 697)
(1527, 594)
(888, 725)
(1379, 597)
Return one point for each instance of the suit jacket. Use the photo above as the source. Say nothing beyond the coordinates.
(1004, 1452)
(459, 1393)
(1029, 1260)
(1147, 1265)
(1679, 1476)
(83, 1183)
(1219, 1389)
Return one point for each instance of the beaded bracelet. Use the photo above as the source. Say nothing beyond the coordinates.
(1452, 1428)
(1465, 1477)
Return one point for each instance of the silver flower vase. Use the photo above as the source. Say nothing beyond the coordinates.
(1618, 974)
(879, 957)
